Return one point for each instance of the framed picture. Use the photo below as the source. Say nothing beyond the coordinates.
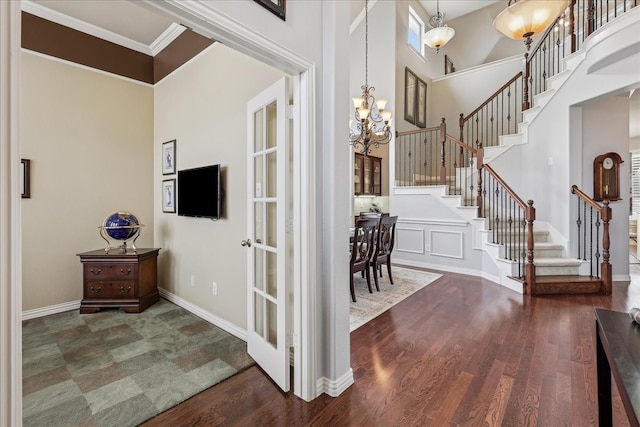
(169, 195)
(421, 104)
(25, 183)
(169, 157)
(274, 6)
(448, 65)
(410, 85)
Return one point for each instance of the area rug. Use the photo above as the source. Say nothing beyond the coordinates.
(369, 306)
(116, 369)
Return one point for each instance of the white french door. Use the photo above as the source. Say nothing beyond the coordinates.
(267, 243)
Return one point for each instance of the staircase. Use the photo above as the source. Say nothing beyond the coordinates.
(527, 254)
(555, 273)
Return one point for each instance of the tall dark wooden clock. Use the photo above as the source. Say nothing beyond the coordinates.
(606, 177)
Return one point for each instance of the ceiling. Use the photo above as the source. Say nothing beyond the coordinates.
(130, 24)
(455, 8)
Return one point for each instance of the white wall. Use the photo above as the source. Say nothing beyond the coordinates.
(89, 136)
(605, 124)
(203, 107)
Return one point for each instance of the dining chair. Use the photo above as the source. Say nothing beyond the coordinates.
(384, 246)
(367, 214)
(362, 246)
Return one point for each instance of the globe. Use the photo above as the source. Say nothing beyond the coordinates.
(120, 226)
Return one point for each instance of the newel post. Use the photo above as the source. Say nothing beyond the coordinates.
(443, 139)
(480, 166)
(607, 271)
(530, 268)
(591, 13)
(572, 25)
(525, 82)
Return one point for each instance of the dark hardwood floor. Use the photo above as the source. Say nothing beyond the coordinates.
(462, 351)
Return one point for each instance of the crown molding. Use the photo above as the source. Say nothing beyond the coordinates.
(166, 38)
(160, 43)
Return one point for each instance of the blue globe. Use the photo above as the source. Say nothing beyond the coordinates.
(121, 225)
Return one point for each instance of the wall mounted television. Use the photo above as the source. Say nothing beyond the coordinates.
(200, 192)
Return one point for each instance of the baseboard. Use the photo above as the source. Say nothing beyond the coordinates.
(52, 309)
(211, 318)
(334, 387)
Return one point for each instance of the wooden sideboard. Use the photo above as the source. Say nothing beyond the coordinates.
(125, 280)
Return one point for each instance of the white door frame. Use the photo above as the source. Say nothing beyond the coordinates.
(213, 24)
(10, 218)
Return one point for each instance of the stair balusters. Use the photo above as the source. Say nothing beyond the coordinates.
(433, 157)
(511, 223)
(593, 241)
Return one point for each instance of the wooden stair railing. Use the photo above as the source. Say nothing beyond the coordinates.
(511, 224)
(590, 235)
(498, 115)
(501, 112)
(430, 156)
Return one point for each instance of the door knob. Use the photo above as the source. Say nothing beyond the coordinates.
(246, 243)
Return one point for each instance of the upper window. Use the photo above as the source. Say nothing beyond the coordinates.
(416, 29)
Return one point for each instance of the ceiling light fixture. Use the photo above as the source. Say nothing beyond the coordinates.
(373, 123)
(523, 19)
(440, 34)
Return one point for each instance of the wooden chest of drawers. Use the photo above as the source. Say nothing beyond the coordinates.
(118, 279)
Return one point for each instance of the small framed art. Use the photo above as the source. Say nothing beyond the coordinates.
(25, 183)
(421, 104)
(169, 157)
(410, 82)
(448, 65)
(169, 196)
(277, 7)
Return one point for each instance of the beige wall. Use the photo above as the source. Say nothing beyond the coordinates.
(203, 107)
(90, 140)
(463, 92)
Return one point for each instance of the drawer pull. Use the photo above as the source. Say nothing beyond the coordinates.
(95, 291)
(95, 273)
(126, 273)
(123, 290)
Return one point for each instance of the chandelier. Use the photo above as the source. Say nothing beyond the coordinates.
(372, 122)
(440, 34)
(523, 19)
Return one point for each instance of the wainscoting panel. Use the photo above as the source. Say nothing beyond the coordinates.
(446, 243)
(409, 240)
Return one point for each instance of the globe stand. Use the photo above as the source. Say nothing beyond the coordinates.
(123, 244)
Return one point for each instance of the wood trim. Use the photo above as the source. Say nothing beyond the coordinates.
(53, 39)
(182, 49)
(508, 189)
(496, 93)
(43, 36)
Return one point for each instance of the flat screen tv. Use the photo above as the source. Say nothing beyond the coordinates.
(199, 192)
